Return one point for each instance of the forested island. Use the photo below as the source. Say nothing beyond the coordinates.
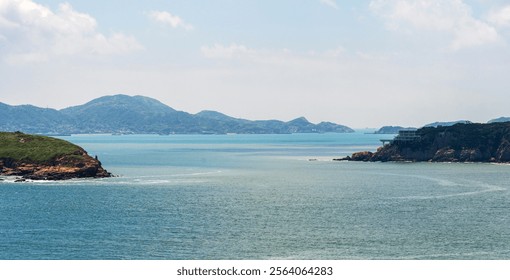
(463, 142)
(45, 158)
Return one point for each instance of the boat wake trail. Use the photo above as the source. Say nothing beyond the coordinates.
(482, 187)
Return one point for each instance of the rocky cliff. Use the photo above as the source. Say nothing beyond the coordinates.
(45, 158)
(457, 143)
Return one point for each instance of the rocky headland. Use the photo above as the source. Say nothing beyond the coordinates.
(457, 143)
(45, 158)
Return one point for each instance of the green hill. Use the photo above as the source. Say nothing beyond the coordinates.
(45, 158)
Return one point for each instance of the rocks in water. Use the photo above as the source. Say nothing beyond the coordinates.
(362, 156)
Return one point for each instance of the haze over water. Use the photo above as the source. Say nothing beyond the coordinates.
(257, 197)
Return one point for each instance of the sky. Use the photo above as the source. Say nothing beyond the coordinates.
(365, 63)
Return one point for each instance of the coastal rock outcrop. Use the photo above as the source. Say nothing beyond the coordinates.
(503, 152)
(45, 158)
(362, 156)
(457, 143)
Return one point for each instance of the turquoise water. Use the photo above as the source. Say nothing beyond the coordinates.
(257, 197)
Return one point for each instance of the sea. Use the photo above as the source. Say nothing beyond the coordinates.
(257, 197)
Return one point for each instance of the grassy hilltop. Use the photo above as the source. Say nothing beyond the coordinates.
(34, 148)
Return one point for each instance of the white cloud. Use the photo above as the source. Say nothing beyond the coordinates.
(227, 52)
(452, 17)
(500, 17)
(331, 3)
(272, 57)
(168, 19)
(339, 51)
(473, 33)
(33, 33)
(328, 79)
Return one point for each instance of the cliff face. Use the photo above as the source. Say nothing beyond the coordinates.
(45, 158)
(458, 143)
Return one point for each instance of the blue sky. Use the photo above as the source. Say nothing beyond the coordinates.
(359, 63)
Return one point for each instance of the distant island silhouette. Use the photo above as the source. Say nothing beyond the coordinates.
(123, 114)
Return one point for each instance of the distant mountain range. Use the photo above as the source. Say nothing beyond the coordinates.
(501, 119)
(438, 124)
(139, 114)
(391, 129)
(396, 129)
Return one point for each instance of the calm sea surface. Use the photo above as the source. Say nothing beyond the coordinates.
(257, 197)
